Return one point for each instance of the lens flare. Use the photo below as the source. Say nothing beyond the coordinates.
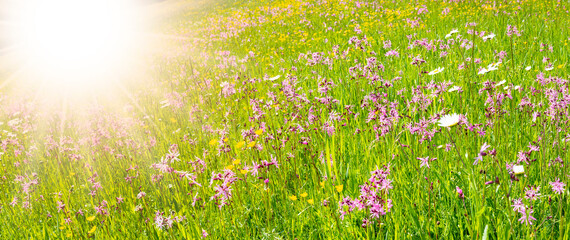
(73, 43)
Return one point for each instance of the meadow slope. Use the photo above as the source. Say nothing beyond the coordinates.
(327, 119)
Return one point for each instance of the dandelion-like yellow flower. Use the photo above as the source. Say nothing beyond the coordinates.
(293, 198)
(240, 144)
(339, 188)
(91, 218)
(213, 142)
(251, 144)
(311, 201)
(92, 229)
(305, 194)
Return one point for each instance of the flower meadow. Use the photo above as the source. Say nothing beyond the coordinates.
(327, 119)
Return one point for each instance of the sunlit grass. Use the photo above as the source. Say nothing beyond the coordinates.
(292, 119)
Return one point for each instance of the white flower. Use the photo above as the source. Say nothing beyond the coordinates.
(548, 68)
(453, 89)
(517, 87)
(518, 169)
(501, 83)
(436, 71)
(275, 78)
(449, 120)
(490, 67)
(493, 66)
(451, 33)
(490, 36)
(527, 68)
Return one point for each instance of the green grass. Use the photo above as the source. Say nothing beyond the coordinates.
(101, 141)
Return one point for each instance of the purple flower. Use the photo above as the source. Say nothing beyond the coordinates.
(141, 195)
(527, 218)
(60, 206)
(532, 193)
(459, 192)
(425, 161)
(482, 153)
(518, 205)
(557, 186)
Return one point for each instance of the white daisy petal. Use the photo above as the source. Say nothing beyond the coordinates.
(449, 120)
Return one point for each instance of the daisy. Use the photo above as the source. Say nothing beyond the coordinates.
(449, 120)
(490, 36)
(518, 169)
(493, 66)
(527, 68)
(436, 71)
(275, 78)
(453, 89)
(482, 71)
(451, 33)
(501, 83)
(548, 68)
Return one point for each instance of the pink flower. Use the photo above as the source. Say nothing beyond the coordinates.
(425, 161)
(141, 195)
(557, 186)
(459, 192)
(527, 218)
(518, 205)
(60, 206)
(482, 153)
(532, 193)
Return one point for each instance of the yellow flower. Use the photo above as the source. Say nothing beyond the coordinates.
(173, 120)
(243, 171)
(230, 167)
(62, 227)
(311, 201)
(251, 144)
(69, 234)
(293, 198)
(259, 132)
(305, 194)
(339, 188)
(225, 139)
(213, 142)
(91, 218)
(92, 229)
(240, 144)
(322, 184)
(236, 162)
